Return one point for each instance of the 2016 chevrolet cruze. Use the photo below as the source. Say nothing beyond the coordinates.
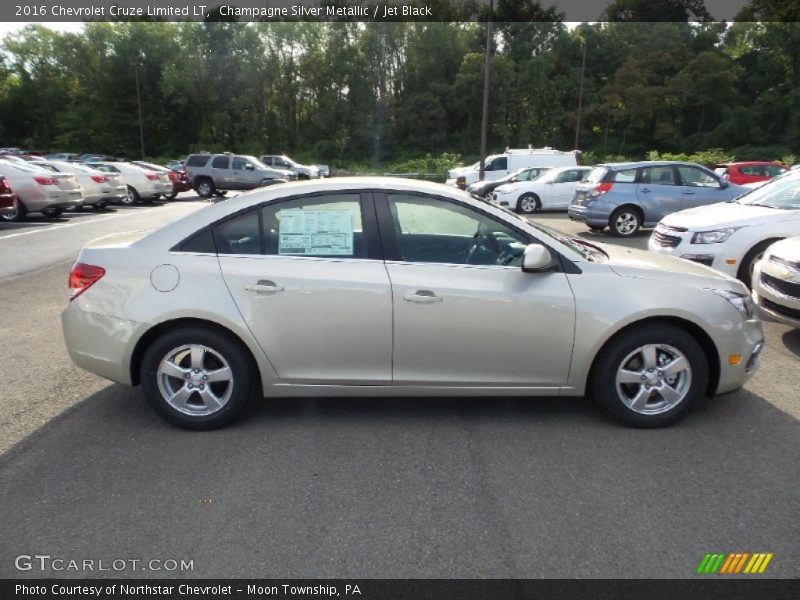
(377, 286)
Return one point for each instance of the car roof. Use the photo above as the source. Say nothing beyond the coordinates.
(647, 163)
(771, 163)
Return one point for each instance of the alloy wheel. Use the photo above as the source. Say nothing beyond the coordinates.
(653, 379)
(195, 380)
(626, 223)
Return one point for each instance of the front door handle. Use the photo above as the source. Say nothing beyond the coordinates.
(422, 297)
(688, 192)
(264, 286)
(645, 190)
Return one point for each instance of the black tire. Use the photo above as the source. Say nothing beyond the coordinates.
(99, 206)
(54, 213)
(243, 383)
(220, 193)
(745, 272)
(603, 385)
(625, 221)
(171, 196)
(19, 213)
(131, 197)
(205, 188)
(595, 228)
(529, 203)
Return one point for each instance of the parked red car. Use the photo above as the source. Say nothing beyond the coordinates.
(8, 199)
(749, 172)
(180, 181)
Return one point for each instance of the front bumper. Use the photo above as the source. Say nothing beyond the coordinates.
(746, 342)
(678, 243)
(776, 292)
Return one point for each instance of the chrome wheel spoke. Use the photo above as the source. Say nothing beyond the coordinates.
(211, 401)
(168, 367)
(670, 395)
(180, 398)
(675, 366)
(223, 374)
(198, 356)
(649, 356)
(626, 376)
(639, 401)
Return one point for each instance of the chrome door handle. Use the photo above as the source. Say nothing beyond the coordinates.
(688, 193)
(645, 190)
(422, 297)
(264, 287)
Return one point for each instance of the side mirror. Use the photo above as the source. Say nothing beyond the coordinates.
(248, 167)
(536, 258)
(723, 183)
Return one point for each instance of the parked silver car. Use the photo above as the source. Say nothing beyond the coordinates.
(40, 190)
(99, 189)
(380, 286)
(140, 183)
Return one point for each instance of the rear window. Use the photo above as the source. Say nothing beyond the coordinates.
(197, 161)
(624, 176)
(221, 162)
(596, 175)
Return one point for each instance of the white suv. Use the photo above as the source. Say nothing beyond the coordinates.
(732, 236)
(498, 166)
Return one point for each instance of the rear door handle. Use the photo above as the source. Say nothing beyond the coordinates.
(264, 286)
(645, 190)
(422, 297)
(688, 193)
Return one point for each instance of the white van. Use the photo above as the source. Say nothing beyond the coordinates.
(500, 165)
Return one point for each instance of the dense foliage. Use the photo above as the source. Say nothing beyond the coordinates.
(389, 92)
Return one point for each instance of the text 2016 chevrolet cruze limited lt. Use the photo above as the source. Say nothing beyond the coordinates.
(377, 286)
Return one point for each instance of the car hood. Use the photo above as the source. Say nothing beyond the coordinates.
(509, 188)
(631, 262)
(788, 249)
(724, 214)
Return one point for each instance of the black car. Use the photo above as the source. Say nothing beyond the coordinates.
(484, 189)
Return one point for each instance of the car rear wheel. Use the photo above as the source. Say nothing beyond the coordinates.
(529, 204)
(595, 229)
(131, 197)
(18, 213)
(99, 206)
(651, 376)
(197, 378)
(171, 196)
(220, 193)
(625, 222)
(53, 213)
(205, 188)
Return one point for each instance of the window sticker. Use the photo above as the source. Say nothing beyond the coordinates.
(316, 232)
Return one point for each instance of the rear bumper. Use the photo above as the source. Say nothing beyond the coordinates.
(100, 344)
(584, 214)
(53, 200)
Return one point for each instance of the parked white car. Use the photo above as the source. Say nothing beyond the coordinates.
(553, 189)
(776, 282)
(99, 189)
(40, 191)
(733, 236)
(141, 184)
(497, 166)
(391, 287)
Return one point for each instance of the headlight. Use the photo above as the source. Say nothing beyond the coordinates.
(717, 236)
(741, 302)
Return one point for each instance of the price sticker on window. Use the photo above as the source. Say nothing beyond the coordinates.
(315, 233)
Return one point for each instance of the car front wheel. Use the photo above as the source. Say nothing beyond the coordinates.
(205, 188)
(18, 213)
(131, 197)
(529, 204)
(650, 377)
(197, 378)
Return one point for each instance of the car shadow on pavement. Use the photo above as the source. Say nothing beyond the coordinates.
(791, 339)
(406, 487)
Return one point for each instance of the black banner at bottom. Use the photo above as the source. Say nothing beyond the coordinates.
(400, 589)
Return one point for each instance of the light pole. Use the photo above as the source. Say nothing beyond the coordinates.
(487, 73)
(580, 94)
(139, 56)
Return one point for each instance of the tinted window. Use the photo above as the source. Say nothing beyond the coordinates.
(320, 226)
(573, 175)
(238, 163)
(433, 230)
(664, 175)
(239, 235)
(499, 164)
(200, 242)
(197, 160)
(624, 176)
(696, 177)
(221, 162)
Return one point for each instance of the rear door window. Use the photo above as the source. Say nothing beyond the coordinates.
(696, 177)
(221, 162)
(624, 176)
(662, 175)
(197, 161)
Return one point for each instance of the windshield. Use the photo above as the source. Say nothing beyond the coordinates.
(782, 192)
(257, 163)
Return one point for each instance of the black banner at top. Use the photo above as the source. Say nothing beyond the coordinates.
(399, 10)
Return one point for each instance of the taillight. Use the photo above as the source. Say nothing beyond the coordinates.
(5, 186)
(151, 176)
(82, 277)
(45, 180)
(99, 178)
(173, 176)
(601, 188)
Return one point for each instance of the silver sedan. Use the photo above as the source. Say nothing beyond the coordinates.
(379, 286)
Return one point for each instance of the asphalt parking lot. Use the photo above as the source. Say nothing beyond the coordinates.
(445, 487)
